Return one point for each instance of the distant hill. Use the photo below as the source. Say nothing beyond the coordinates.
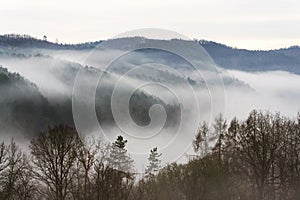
(26, 41)
(286, 59)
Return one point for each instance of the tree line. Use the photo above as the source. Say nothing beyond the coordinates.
(253, 159)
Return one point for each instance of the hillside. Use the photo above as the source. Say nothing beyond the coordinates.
(22, 106)
(285, 59)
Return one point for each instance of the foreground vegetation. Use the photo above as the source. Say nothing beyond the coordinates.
(254, 159)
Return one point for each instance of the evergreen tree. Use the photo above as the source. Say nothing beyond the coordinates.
(200, 143)
(119, 159)
(220, 128)
(154, 162)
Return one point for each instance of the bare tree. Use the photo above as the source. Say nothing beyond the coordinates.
(294, 153)
(3, 158)
(81, 185)
(16, 182)
(257, 143)
(53, 155)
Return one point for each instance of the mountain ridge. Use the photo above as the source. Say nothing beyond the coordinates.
(285, 59)
(18, 40)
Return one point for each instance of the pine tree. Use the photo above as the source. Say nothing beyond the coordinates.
(200, 143)
(220, 128)
(154, 162)
(119, 159)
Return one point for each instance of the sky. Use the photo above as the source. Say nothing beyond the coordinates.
(250, 24)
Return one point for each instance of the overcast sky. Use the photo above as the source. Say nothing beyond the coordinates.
(252, 24)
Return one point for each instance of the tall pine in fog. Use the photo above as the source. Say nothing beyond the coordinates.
(154, 162)
(119, 159)
(201, 141)
(220, 128)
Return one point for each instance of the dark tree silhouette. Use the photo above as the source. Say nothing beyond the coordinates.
(54, 153)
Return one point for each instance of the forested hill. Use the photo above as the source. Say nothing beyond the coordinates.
(285, 59)
(22, 106)
(26, 41)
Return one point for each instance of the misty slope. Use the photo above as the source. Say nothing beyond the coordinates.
(22, 107)
(36, 60)
(64, 69)
(25, 109)
(53, 68)
(55, 78)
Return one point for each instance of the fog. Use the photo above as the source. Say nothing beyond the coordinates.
(45, 72)
(277, 91)
(200, 94)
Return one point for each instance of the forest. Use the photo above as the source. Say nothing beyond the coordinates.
(257, 158)
(150, 100)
